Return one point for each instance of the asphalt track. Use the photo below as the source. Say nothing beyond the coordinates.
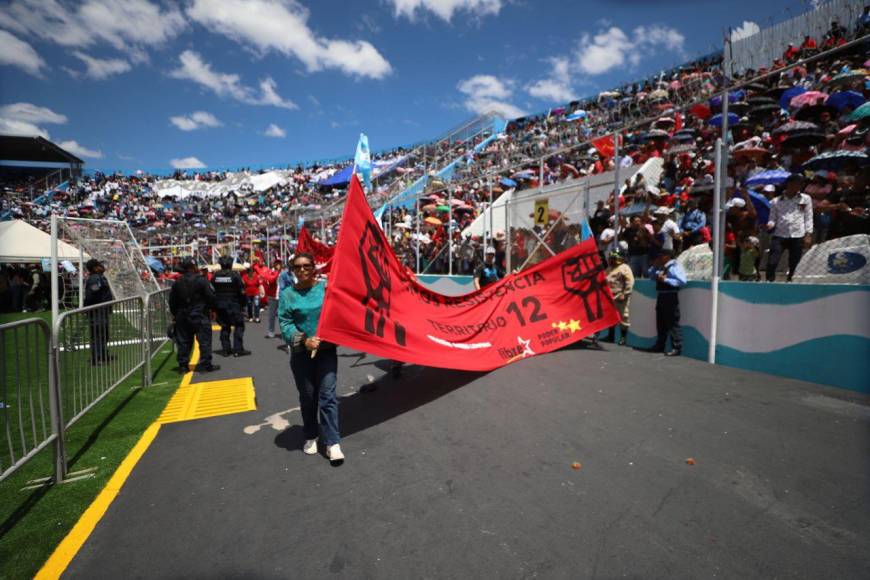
(465, 475)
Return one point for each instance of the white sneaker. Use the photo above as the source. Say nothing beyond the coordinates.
(310, 447)
(333, 452)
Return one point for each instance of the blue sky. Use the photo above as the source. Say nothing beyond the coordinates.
(130, 84)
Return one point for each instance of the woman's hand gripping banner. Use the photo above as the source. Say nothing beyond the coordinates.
(374, 304)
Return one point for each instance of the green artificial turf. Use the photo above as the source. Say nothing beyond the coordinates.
(33, 522)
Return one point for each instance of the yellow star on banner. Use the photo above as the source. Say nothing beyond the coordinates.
(561, 325)
(574, 326)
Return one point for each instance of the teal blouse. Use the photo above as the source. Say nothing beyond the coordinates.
(299, 311)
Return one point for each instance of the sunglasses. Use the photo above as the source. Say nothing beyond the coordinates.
(303, 266)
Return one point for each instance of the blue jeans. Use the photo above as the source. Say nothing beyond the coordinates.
(315, 381)
(253, 304)
(273, 314)
(639, 265)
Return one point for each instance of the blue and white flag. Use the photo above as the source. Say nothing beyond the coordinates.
(363, 161)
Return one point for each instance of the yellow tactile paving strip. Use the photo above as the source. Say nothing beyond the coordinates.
(210, 399)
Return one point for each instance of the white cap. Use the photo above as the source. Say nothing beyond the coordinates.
(770, 188)
(662, 210)
(735, 202)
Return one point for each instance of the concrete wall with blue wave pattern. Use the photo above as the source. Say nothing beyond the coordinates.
(818, 333)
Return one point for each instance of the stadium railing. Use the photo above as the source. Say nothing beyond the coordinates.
(52, 376)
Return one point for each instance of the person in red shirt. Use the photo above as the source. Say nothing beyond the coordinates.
(809, 46)
(253, 287)
(269, 279)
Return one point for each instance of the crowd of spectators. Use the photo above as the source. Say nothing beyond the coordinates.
(803, 120)
(780, 124)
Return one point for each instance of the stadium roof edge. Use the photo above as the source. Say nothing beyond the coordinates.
(34, 149)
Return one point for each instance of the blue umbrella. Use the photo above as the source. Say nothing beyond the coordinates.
(508, 182)
(844, 99)
(762, 206)
(733, 97)
(577, 115)
(789, 94)
(155, 264)
(769, 177)
(716, 120)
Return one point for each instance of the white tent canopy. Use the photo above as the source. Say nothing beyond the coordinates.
(20, 242)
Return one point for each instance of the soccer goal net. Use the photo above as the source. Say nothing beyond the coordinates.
(111, 242)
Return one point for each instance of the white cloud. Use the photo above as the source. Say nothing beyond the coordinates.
(659, 35)
(552, 90)
(193, 68)
(126, 25)
(557, 87)
(98, 68)
(445, 9)
(269, 96)
(197, 70)
(602, 52)
(745, 30)
(196, 120)
(32, 113)
(282, 26)
(18, 53)
(26, 118)
(612, 47)
(79, 150)
(23, 128)
(187, 163)
(489, 94)
(274, 130)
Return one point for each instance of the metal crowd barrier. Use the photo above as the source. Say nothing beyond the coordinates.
(29, 395)
(96, 348)
(53, 376)
(157, 320)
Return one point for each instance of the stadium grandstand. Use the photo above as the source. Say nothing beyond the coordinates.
(808, 117)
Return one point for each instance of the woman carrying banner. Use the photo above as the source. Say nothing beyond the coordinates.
(313, 362)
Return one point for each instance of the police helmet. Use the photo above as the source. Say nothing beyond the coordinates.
(92, 264)
(225, 262)
(188, 265)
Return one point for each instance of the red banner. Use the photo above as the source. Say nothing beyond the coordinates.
(375, 305)
(321, 252)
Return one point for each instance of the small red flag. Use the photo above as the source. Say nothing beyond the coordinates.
(321, 252)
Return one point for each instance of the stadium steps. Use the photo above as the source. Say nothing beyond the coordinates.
(46, 197)
(408, 196)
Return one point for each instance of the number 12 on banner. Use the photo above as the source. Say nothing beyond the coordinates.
(542, 212)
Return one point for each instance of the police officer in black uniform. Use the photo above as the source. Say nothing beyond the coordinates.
(230, 300)
(97, 291)
(191, 302)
